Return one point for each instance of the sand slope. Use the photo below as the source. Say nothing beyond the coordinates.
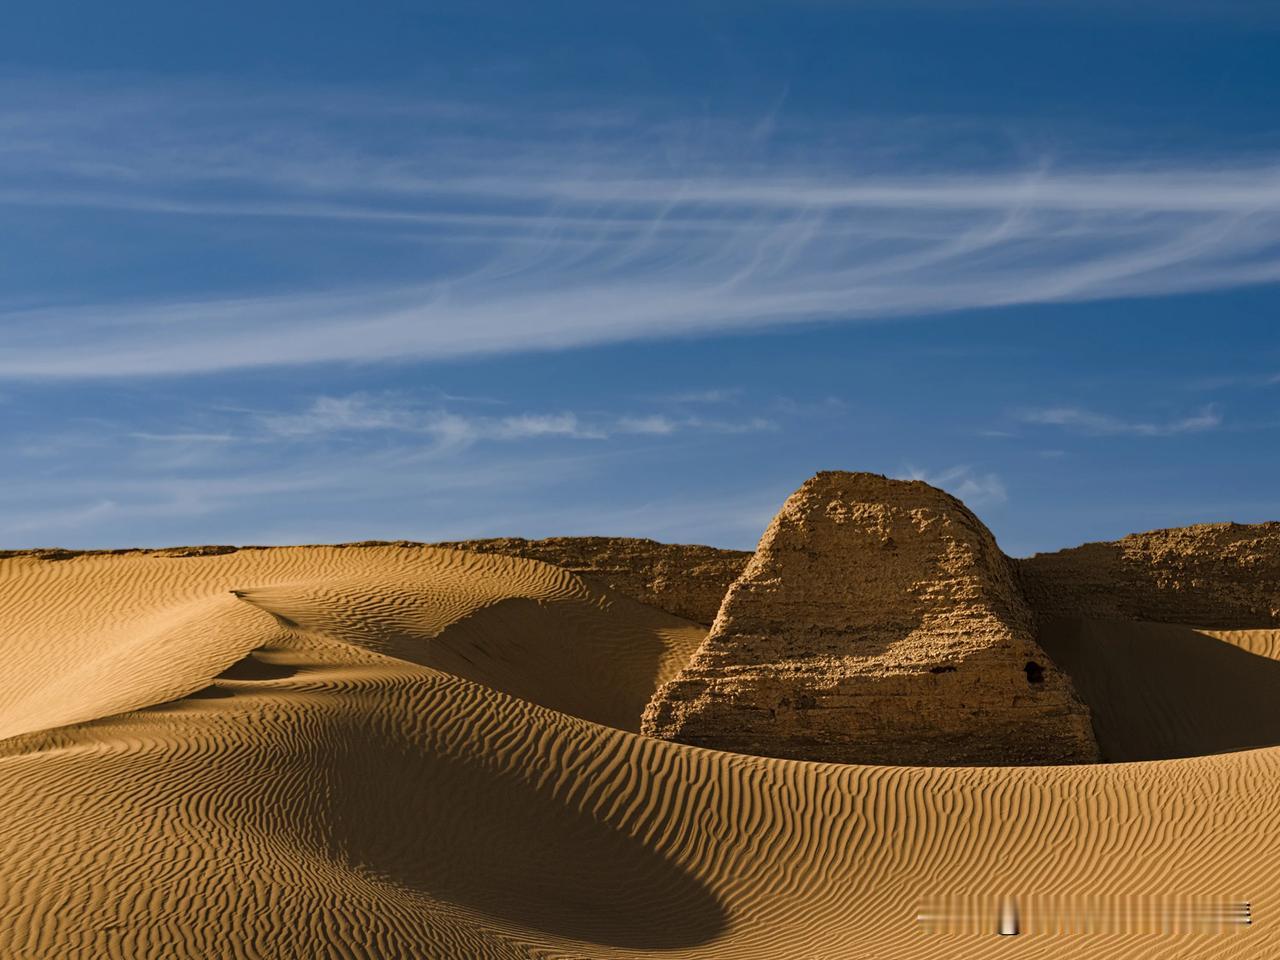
(372, 753)
(1160, 690)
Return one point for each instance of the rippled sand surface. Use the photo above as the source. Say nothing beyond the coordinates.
(386, 752)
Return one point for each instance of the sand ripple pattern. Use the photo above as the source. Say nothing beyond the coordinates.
(412, 753)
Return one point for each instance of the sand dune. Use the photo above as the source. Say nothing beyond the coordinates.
(1161, 690)
(395, 752)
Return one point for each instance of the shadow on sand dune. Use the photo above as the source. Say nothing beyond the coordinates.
(519, 851)
(1160, 691)
(255, 667)
(590, 653)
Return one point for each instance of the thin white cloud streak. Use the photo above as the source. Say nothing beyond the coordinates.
(573, 245)
(654, 424)
(304, 144)
(723, 287)
(334, 414)
(1141, 192)
(447, 429)
(663, 425)
(1104, 424)
(532, 425)
(360, 413)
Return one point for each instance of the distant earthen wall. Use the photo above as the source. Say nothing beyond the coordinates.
(1224, 575)
(688, 581)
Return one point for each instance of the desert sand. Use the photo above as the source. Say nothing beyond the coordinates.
(407, 751)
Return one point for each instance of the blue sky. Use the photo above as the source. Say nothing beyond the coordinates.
(281, 273)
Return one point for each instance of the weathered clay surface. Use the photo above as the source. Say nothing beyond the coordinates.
(1210, 575)
(688, 581)
(877, 622)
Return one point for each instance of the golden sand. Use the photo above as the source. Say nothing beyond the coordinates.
(386, 752)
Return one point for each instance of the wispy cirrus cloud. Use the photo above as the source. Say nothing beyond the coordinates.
(336, 414)
(543, 240)
(655, 424)
(1091, 422)
(364, 413)
(663, 425)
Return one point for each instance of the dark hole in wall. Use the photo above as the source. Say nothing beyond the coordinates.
(1035, 672)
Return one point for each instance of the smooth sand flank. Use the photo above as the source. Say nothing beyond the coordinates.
(404, 752)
